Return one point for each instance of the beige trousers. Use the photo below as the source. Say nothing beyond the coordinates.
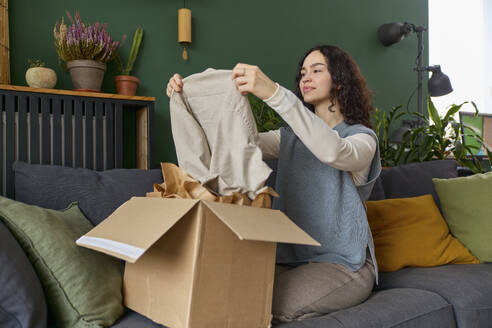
(215, 135)
(315, 289)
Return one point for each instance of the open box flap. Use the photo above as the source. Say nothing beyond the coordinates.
(253, 223)
(135, 226)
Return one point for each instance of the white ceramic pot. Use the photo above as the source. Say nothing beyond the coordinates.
(41, 77)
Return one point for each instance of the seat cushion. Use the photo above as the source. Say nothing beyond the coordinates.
(399, 307)
(132, 319)
(468, 287)
(22, 303)
(98, 193)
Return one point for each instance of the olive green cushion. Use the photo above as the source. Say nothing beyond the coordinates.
(83, 288)
(467, 207)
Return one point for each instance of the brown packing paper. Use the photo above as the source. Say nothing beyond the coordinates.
(179, 184)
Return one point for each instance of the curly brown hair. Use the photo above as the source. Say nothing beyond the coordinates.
(349, 87)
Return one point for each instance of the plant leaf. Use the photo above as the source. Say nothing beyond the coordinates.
(453, 110)
(433, 114)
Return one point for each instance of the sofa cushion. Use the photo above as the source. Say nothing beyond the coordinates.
(22, 303)
(97, 193)
(83, 288)
(377, 192)
(468, 287)
(399, 307)
(412, 232)
(467, 207)
(415, 179)
(132, 319)
(326, 321)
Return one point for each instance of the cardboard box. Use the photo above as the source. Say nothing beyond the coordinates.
(196, 263)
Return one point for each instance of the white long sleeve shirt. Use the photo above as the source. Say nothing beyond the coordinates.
(353, 153)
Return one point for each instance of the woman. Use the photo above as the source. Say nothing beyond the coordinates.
(328, 160)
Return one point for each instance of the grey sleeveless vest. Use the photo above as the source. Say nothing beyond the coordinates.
(324, 202)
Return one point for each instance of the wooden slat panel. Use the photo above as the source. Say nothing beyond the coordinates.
(99, 108)
(89, 134)
(57, 139)
(487, 132)
(109, 107)
(150, 131)
(118, 135)
(10, 107)
(79, 142)
(45, 130)
(4, 43)
(142, 133)
(67, 132)
(23, 148)
(57, 131)
(34, 129)
(2, 178)
(75, 93)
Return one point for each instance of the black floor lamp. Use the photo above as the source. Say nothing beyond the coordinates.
(438, 84)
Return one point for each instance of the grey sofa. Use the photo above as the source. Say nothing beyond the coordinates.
(445, 296)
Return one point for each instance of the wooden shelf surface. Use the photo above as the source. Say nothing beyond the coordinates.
(74, 93)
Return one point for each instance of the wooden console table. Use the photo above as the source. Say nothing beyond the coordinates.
(69, 128)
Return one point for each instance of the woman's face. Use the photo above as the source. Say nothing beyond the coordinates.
(315, 82)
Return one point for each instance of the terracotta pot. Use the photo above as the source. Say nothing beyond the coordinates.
(86, 74)
(126, 84)
(41, 77)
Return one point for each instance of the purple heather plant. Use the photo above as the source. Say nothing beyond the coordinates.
(84, 41)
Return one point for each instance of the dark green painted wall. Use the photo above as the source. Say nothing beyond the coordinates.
(271, 34)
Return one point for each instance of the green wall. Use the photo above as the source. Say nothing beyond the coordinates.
(271, 34)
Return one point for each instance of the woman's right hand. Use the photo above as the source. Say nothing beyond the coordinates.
(175, 83)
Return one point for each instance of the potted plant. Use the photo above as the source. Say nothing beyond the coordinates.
(125, 83)
(435, 138)
(39, 76)
(84, 49)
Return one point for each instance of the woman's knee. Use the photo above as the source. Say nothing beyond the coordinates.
(316, 289)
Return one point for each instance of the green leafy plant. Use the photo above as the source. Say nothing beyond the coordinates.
(137, 40)
(266, 118)
(435, 138)
(383, 121)
(441, 137)
(35, 63)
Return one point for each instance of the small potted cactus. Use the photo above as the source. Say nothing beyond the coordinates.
(39, 76)
(125, 83)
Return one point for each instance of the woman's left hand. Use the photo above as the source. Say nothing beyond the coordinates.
(250, 78)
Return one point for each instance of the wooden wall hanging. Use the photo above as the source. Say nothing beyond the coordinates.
(4, 43)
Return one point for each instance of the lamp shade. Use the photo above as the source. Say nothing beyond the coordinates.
(439, 84)
(391, 33)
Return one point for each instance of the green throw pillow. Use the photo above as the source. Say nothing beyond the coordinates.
(83, 288)
(467, 206)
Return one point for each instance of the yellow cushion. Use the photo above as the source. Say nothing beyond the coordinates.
(412, 232)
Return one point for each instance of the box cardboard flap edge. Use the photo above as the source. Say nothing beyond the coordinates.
(260, 224)
(135, 226)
